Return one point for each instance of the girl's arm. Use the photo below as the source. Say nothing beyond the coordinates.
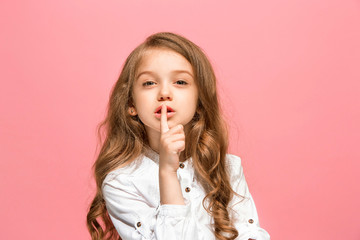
(170, 190)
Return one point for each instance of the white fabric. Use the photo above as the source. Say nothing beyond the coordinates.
(133, 201)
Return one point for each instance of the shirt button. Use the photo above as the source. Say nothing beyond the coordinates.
(251, 221)
(181, 165)
(187, 189)
(138, 224)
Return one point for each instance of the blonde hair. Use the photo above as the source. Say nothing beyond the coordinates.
(126, 139)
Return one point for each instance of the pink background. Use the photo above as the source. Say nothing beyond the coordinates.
(288, 75)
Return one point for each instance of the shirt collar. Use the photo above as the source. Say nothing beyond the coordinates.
(150, 153)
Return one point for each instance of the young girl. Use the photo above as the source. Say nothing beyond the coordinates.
(163, 171)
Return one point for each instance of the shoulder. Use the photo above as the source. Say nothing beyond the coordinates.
(139, 180)
(234, 167)
(233, 160)
(124, 175)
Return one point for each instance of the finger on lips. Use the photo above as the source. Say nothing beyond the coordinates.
(175, 135)
(164, 127)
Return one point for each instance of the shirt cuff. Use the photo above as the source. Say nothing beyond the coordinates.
(252, 230)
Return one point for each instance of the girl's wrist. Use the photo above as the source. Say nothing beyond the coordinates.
(167, 171)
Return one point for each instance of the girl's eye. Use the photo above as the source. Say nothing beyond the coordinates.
(181, 82)
(147, 83)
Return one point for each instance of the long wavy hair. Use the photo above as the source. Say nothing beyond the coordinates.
(125, 138)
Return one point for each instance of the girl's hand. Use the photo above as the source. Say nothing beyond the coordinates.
(172, 142)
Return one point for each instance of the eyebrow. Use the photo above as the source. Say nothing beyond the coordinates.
(152, 73)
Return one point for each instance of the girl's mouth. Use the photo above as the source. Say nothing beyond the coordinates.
(170, 112)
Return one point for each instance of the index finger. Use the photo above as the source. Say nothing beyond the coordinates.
(164, 127)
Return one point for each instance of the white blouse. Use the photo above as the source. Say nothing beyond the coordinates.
(132, 199)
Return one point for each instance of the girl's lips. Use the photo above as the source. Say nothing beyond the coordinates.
(169, 109)
(168, 114)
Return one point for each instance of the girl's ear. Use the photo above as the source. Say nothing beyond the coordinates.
(132, 111)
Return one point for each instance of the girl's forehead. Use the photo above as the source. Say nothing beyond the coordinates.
(163, 57)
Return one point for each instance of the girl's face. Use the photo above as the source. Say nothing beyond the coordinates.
(164, 76)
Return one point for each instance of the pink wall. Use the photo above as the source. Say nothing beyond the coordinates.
(289, 76)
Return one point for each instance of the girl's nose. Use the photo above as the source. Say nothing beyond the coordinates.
(163, 98)
(164, 94)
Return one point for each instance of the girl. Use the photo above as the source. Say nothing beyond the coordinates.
(163, 171)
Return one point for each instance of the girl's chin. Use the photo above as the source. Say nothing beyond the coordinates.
(156, 128)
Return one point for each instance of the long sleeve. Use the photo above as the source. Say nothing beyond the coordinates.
(131, 215)
(244, 209)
